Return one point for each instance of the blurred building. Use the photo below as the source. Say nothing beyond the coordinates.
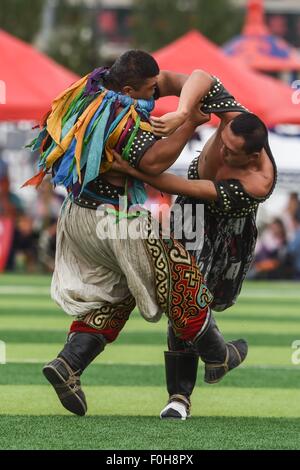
(283, 18)
(112, 25)
(112, 22)
(262, 50)
(114, 19)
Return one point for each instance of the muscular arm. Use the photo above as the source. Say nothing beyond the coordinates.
(172, 184)
(169, 183)
(171, 83)
(193, 89)
(164, 152)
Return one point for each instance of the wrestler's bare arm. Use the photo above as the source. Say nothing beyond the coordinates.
(172, 184)
(169, 183)
(193, 89)
(171, 83)
(164, 152)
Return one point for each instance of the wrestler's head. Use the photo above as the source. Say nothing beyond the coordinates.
(135, 74)
(243, 139)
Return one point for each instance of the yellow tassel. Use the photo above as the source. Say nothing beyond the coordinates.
(81, 126)
(60, 106)
(60, 149)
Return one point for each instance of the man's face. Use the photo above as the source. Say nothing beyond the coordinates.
(232, 149)
(146, 91)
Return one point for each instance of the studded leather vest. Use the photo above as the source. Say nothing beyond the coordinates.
(100, 191)
(233, 199)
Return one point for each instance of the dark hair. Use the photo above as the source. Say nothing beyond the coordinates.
(132, 68)
(253, 131)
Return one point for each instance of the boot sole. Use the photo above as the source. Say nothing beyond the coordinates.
(173, 414)
(173, 418)
(232, 368)
(73, 402)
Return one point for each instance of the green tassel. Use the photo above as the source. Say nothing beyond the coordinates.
(131, 139)
(71, 107)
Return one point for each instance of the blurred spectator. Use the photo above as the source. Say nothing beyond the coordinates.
(293, 248)
(39, 237)
(270, 260)
(10, 204)
(289, 214)
(46, 247)
(31, 244)
(46, 207)
(10, 209)
(25, 244)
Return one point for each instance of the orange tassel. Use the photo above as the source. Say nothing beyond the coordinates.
(36, 180)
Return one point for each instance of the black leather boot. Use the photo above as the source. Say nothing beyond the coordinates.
(181, 375)
(63, 372)
(219, 357)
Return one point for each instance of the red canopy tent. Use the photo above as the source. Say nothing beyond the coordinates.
(29, 79)
(258, 48)
(267, 97)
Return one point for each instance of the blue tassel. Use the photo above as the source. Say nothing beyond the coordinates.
(96, 149)
(91, 126)
(137, 193)
(68, 125)
(37, 143)
(116, 122)
(64, 173)
(45, 154)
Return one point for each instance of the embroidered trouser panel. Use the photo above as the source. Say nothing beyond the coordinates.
(101, 274)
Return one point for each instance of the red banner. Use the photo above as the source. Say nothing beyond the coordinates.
(6, 235)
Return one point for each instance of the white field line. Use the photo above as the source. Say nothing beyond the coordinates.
(42, 290)
(24, 290)
(270, 294)
(111, 363)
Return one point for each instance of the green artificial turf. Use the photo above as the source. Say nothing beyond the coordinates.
(256, 406)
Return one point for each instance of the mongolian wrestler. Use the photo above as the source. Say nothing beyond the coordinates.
(233, 174)
(102, 268)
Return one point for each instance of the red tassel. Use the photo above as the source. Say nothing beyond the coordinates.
(43, 121)
(36, 180)
(44, 143)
